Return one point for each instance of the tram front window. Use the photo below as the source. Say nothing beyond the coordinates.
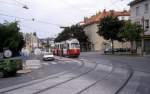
(75, 45)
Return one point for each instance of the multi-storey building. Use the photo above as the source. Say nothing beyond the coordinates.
(140, 13)
(91, 28)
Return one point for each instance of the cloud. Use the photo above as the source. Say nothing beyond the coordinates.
(63, 12)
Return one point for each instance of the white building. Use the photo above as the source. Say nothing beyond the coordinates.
(140, 13)
(31, 41)
(98, 43)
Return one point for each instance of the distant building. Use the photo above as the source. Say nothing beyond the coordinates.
(91, 28)
(47, 43)
(140, 13)
(31, 41)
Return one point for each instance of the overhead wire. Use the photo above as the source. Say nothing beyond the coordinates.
(32, 19)
(44, 22)
(19, 2)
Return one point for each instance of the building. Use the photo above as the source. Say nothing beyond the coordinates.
(31, 41)
(140, 13)
(98, 43)
(47, 43)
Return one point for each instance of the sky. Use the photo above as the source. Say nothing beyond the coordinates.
(46, 16)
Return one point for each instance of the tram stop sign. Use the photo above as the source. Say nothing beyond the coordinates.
(7, 53)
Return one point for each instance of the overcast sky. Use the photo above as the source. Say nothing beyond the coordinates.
(53, 13)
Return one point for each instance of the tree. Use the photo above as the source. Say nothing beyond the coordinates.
(75, 31)
(64, 35)
(11, 38)
(131, 32)
(109, 27)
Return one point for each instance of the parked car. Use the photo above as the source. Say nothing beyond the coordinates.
(109, 50)
(48, 56)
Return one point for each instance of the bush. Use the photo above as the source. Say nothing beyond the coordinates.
(9, 67)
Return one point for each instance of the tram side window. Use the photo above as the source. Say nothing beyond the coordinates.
(65, 46)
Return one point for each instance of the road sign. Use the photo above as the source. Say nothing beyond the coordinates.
(7, 53)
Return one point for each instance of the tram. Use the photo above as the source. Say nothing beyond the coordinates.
(69, 48)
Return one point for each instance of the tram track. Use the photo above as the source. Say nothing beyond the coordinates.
(68, 77)
(55, 77)
(100, 72)
(80, 92)
(2, 91)
(67, 80)
(106, 79)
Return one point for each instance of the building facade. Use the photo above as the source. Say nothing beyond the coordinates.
(140, 13)
(90, 25)
(31, 41)
(47, 43)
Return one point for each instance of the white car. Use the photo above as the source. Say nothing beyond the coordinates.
(48, 56)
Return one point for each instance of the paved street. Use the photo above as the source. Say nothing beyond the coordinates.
(140, 79)
(92, 73)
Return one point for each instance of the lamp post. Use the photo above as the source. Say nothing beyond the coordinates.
(142, 37)
(25, 7)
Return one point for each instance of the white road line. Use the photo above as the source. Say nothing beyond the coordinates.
(53, 63)
(46, 64)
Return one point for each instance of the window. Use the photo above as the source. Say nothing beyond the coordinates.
(146, 8)
(146, 24)
(137, 11)
(75, 45)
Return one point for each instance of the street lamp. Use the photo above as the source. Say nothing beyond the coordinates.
(142, 37)
(25, 7)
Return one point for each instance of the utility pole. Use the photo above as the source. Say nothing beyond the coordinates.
(142, 37)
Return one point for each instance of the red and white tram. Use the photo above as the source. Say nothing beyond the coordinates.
(69, 48)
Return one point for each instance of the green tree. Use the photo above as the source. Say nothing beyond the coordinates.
(75, 31)
(10, 37)
(109, 27)
(131, 32)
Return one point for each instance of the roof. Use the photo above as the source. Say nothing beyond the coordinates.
(96, 18)
(135, 2)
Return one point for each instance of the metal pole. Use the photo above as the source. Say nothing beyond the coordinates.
(142, 38)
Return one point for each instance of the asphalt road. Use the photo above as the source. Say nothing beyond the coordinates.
(92, 73)
(139, 81)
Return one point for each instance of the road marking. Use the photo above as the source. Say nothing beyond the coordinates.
(46, 64)
(33, 64)
(53, 63)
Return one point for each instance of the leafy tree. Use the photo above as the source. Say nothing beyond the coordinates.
(131, 32)
(10, 37)
(75, 31)
(109, 27)
(64, 35)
